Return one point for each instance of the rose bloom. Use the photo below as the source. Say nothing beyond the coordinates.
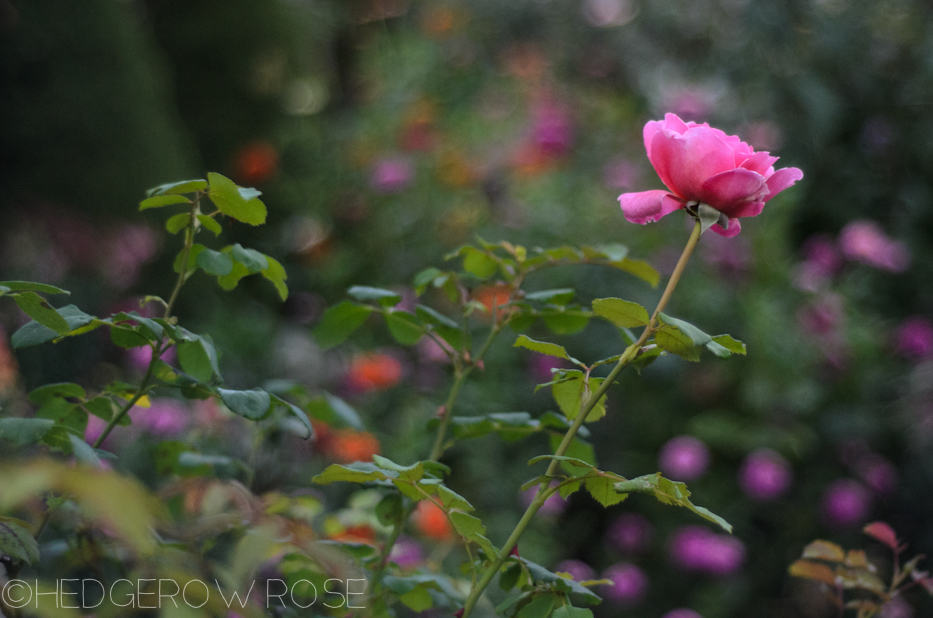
(630, 533)
(914, 338)
(864, 241)
(696, 548)
(374, 372)
(846, 503)
(631, 583)
(700, 164)
(765, 475)
(431, 521)
(255, 163)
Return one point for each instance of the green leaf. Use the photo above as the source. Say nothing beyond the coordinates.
(193, 253)
(568, 611)
(227, 197)
(453, 500)
(697, 336)
(159, 201)
(568, 393)
(579, 449)
(16, 540)
(543, 347)
(472, 529)
(405, 328)
(418, 599)
(29, 286)
(229, 282)
(539, 607)
(197, 356)
(431, 316)
(176, 188)
(277, 275)
(253, 260)
(560, 296)
(414, 472)
(61, 390)
(390, 509)
(676, 342)
(253, 404)
(622, 313)
(354, 473)
(215, 262)
(210, 224)
(566, 321)
(34, 333)
(297, 413)
(671, 492)
(509, 578)
(640, 269)
(479, 263)
(364, 293)
(573, 461)
(603, 490)
(177, 223)
(335, 411)
(84, 453)
(42, 312)
(733, 345)
(23, 431)
(126, 337)
(339, 322)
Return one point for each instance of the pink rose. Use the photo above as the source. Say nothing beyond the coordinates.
(702, 165)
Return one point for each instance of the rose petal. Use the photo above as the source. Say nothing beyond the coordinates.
(648, 132)
(647, 206)
(672, 122)
(749, 209)
(732, 191)
(782, 179)
(759, 162)
(734, 228)
(685, 162)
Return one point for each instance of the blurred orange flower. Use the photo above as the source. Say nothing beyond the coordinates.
(494, 296)
(348, 445)
(369, 372)
(431, 521)
(255, 163)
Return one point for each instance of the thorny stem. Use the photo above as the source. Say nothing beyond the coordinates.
(628, 356)
(183, 270)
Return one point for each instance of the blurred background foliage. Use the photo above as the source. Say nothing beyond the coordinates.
(385, 133)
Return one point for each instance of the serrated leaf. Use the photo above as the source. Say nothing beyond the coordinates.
(881, 531)
(622, 313)
(61, 390)
(176, 188)
(339, 322)
(479, 263)
(674, 341)
(697, 337)
(197, 356)
(252, 404)
(297, 413)
(84, 453)
(16, 540)
(177, 223)
(42, 312)
(253, 260)
(30, 286)
(429, 315)
(159, 201)
(542, 347)
(335, 411)
(569, 396)
(733, 345)
(568, 611)
(418, 599)
(540, 606)
(573, 461)
(210, 224)
(413, 473)
(640, 269)
(215, 262)
(560, 296)
(34, 333)
(277, 275)
(603, 490)
(227, 197)
(405, 328)
(565, 321)
(358, 473)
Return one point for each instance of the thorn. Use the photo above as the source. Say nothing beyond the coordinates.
(458, 613)
(441, 411)
(514, 552)
(481, 365)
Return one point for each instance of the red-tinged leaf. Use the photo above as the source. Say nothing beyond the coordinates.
(881, 531)
(813, 570)
(824, 550)
(927, 583)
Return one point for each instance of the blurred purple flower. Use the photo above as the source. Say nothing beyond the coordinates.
(129, 248)
(140, 357)
(731, 255)
(864, 241)
(391, 174)
(621, 174)
(878, 473)
(684, 458)
(682, 612)
(696, 548)
(407, 553)
(914, 338)
(631, 583)
(95, 427)
(630, 533)
(165, 417)
(822, 316)
(579, 570)
(822, 261)
(540, 366)
(846, 503)
(897, 608)
(552, 130)
(765, 475)
(553, 506)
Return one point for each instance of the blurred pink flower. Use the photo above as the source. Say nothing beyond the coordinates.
(864, 241)
(684, 458)
(552, 129)
(630, 533)
(129, 248)
(897, 608)
(846, 503)
(822, 260)
(391, 174)
(765, 475)
(631, 583)
(95, 427)
(620, 174)
(823, 316)
(914, 338)
(164, 417)
(407, 553)
(700, 164)
(681, 612)
(140, 357)
(696, 548)
(878, 473)
(540, 366)
(579, 570)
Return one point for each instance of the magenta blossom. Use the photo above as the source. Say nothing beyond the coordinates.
(846, 503)
(696, 548)
(681, 612)
(630, 583)
(914, 338)
(683, 458)
(579, 570)
(391, 174)
(864, 241)
(703, 165)
(630, 533)
(765, 475)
